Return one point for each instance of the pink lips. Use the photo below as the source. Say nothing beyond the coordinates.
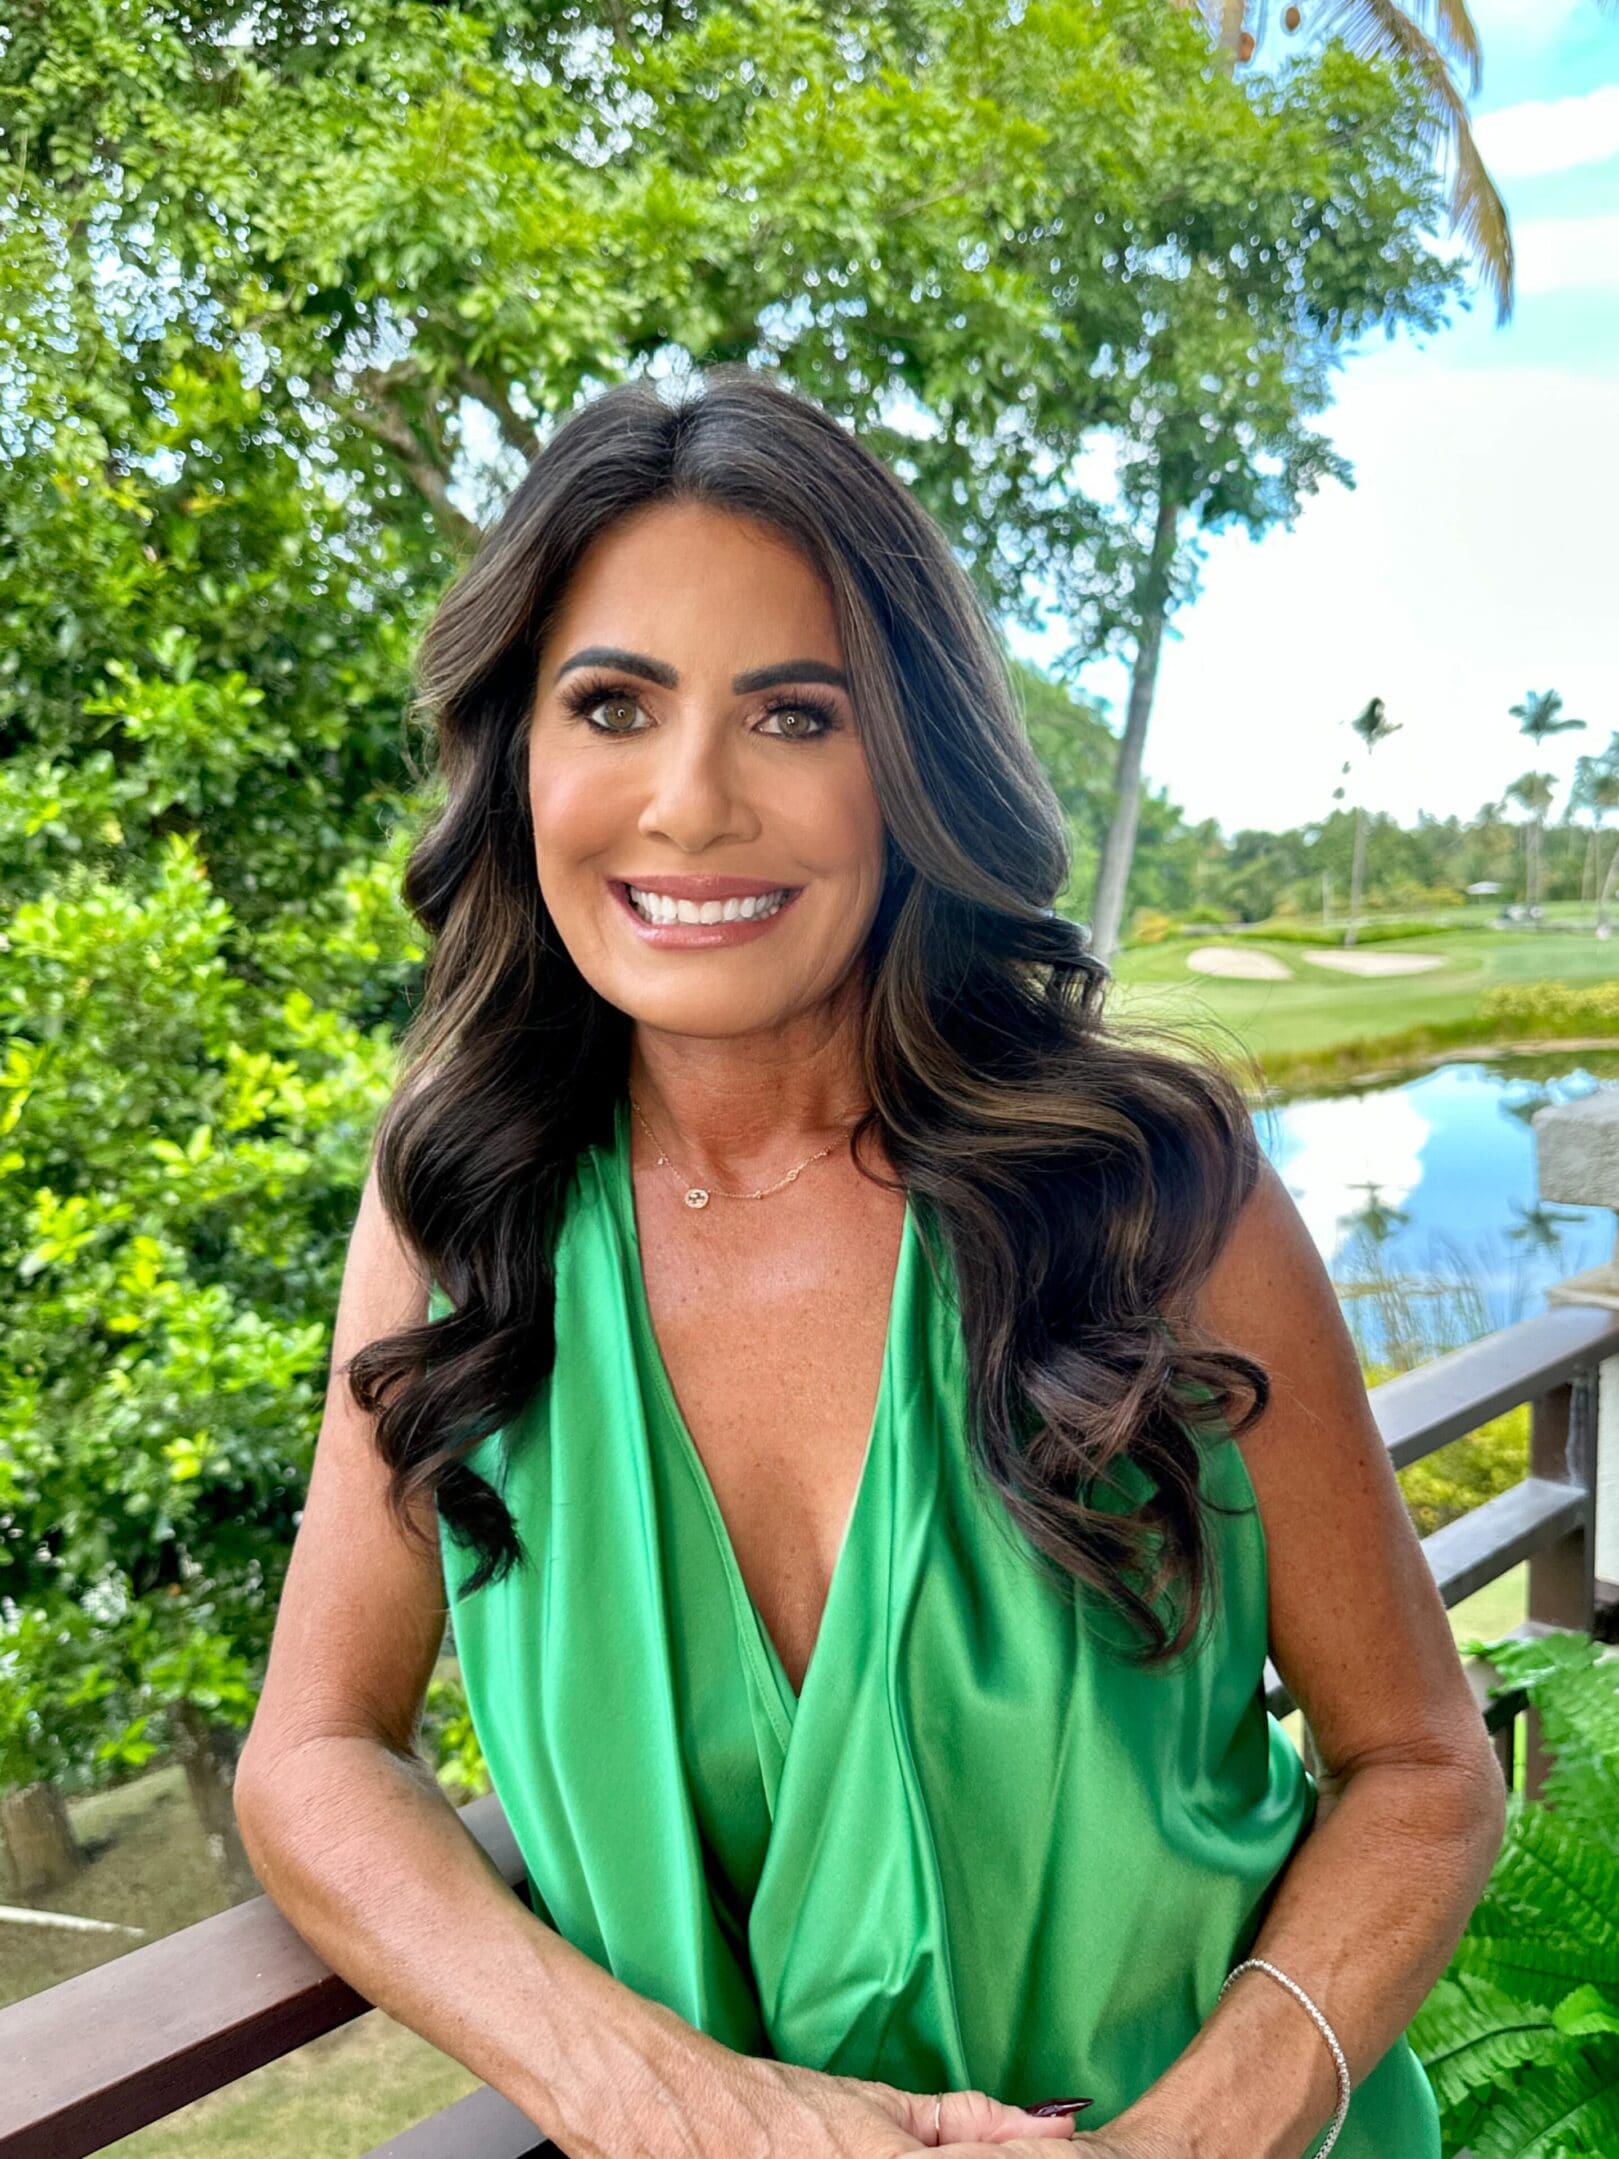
(708, 887)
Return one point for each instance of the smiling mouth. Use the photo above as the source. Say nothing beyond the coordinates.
(663, 911)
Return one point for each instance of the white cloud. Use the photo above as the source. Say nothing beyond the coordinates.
(1555, 254)
(1471, 563)
(1520, 142)
(1330, 1149)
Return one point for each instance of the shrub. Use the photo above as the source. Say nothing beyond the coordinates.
(1455, 1479)
(1521, 2035)
(1150, 927)
(448, 1740)
(1277, 931)
(1552, 1006)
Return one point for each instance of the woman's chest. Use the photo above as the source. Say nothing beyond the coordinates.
(775, 1358)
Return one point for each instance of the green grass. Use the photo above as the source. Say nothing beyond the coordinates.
(1328, 1018)
(1493, 1610)
(148, 1867)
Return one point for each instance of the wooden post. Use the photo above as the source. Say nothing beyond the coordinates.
(1562, 1576)
(1502, 1740)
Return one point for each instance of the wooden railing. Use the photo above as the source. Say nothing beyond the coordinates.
(1548, 1518)
(123, 2045)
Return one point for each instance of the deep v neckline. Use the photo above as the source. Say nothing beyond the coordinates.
(758, 1642)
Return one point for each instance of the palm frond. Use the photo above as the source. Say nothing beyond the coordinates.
(1480, 216)
(1379, 29)
(1382, 30)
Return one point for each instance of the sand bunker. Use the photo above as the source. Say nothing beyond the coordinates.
(1241, 966)
(1376, 963)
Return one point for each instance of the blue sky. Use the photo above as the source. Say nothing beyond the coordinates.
(1475, 558)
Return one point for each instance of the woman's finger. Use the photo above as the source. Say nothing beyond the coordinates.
(1032, 2146)
(974, 2118)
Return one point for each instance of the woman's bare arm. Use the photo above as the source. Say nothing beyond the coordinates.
(350, 1834)
(1412, 1803)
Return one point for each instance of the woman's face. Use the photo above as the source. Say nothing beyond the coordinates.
(657, 761)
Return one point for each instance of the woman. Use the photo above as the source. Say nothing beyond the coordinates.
(810, 1347)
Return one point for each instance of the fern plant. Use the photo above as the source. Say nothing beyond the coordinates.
(1521, 2035)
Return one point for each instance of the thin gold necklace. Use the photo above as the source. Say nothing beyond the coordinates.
(698, 1195)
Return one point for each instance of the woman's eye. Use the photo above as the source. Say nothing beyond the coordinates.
(603, 704)
(802, 721)
(809, 721)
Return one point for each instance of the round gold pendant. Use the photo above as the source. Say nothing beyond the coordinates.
(696, 1197)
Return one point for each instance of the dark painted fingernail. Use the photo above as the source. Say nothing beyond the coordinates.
(1058, 2106)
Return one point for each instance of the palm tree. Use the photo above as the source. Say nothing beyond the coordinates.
(1533, 791)
(1583, 768)
(1541, 1227)
(1596, 788)
(1606, 894)
(1376, 1218)
(1373, 726)
(1602, 793)
(1538, 718)
(1434, 35)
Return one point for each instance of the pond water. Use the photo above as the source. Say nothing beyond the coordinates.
(1421, 1196)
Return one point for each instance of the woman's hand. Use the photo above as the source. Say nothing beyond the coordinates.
(807, 2114)
(1117, 2141)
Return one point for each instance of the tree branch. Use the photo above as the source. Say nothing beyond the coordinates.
(381, 418)
(519, 433)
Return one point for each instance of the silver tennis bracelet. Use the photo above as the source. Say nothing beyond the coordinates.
(1258, 1964)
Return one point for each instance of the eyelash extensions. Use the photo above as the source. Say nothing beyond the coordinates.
(582, 697)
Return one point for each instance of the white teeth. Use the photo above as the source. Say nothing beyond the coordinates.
(658, 907)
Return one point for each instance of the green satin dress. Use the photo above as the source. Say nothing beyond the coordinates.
(978, 1850)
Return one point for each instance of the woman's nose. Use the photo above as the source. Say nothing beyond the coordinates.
(694, 798)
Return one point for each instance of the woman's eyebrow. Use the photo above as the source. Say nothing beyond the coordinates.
(757, 678)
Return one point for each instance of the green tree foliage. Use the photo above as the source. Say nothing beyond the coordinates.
(288, 297)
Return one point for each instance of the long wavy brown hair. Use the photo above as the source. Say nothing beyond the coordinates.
(1080, 1175)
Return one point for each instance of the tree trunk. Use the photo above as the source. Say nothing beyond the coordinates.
(1357, 873)
(1232, 24)
(40, 1848)
(1606, 893)
(1534, 860)
(208, 1752)
(1113, 871)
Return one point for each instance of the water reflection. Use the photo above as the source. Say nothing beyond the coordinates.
(1421, 1197)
